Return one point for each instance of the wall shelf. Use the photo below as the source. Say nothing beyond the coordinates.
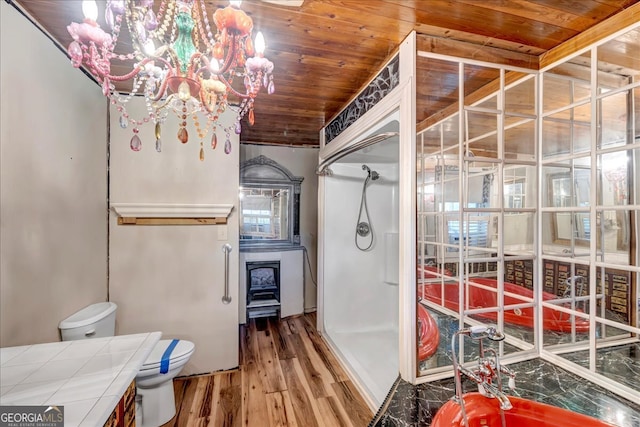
(171, 213)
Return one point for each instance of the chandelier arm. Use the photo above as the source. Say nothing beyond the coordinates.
(165, 103)
(231, 53)
(192, 62)
(174, 58)
(125, 77)
(95, 61)
(232, 90)
(162, 90)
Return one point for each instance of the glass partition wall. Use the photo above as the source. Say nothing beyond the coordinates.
(527, 210)
(476, 179)
(589, 210)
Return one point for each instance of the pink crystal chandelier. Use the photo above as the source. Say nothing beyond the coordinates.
(180, 65)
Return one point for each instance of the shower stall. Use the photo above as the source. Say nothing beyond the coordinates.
(361, 255)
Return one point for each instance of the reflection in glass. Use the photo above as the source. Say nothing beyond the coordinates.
(264, 213)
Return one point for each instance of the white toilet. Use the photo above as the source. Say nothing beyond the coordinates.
(154, 380)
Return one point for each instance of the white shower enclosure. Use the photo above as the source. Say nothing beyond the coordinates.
(361, 271)
(366, 288)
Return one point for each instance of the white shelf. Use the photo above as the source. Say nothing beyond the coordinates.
(171, 213)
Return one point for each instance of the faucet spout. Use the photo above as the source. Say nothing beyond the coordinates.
(505, 403)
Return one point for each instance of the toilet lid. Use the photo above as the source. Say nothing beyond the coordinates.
(180, 350)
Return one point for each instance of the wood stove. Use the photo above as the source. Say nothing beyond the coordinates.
(263, 288)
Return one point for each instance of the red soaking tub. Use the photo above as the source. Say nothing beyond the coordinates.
(554, 320)
(484, 412)
(428, 334)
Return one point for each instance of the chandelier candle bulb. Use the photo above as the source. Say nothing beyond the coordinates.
(90, 10)
(202, 71)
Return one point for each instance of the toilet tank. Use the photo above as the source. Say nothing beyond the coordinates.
(94, 321)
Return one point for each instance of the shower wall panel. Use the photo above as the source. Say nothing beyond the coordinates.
(357, 298)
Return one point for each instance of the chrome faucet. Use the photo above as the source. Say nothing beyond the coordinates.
(487, 370)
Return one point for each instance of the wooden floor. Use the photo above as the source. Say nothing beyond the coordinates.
(287, 377)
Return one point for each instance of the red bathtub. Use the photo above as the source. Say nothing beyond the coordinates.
(428, 334)
(554, 320)
(482, 412)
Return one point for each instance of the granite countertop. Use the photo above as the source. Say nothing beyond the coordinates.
(87, 377)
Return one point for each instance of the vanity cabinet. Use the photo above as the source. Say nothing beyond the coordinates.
(124, 414)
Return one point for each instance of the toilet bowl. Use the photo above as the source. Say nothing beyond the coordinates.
(154, 381)
(155, 401)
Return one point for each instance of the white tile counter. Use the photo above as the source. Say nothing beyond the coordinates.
(87, 377)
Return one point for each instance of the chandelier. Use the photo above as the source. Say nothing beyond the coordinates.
(180, 65)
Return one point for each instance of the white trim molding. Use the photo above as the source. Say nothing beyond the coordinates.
(171, 210)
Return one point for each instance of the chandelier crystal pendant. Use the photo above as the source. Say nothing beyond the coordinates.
(180, 66)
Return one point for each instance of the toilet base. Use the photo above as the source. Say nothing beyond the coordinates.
(157, 405)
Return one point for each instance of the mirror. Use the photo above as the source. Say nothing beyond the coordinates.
(582, 213)
(269, 205)
(264, 213)
(570, 189)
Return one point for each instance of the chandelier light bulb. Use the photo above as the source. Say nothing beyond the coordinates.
(149, 47)
(183, 91)
(235, 3)
(260, 44)
(214, 66)
(90, 9)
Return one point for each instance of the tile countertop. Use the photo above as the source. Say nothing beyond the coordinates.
(87, 377)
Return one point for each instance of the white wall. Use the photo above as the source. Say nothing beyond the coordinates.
(300, 162)
(53, 186)
(171, 278)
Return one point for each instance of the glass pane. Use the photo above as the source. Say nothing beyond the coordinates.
(446, 195)
(478, 77)
(480, 187)
(436, 90)
(451, 133)
(567, 83)
(519, 140)
(431, 140)
(519, 232)
(477, 233)
(563, 328)
(519, 188)
(521, 98)
(482, 134)
(615, 298)
(490, 103)
(566, 132)
(613, 120)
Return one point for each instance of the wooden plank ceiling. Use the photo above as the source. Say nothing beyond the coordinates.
(326, 50)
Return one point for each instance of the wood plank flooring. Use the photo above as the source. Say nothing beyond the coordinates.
(287, 377)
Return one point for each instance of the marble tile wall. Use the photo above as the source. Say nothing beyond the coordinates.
(415, 405)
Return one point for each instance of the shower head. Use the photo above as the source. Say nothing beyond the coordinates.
(373, 175)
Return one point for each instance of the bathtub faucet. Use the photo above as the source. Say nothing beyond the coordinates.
(487, 372)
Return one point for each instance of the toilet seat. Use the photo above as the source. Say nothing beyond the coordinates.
(180, 353)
